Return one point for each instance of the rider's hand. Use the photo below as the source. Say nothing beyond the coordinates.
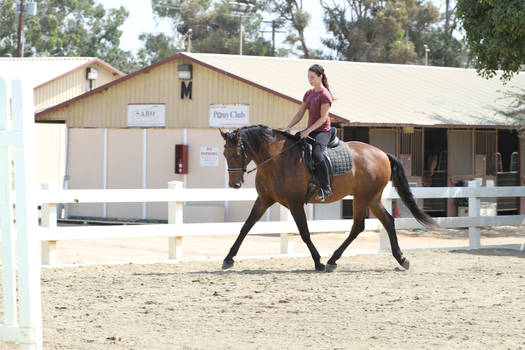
(286, 130)
(304, 133)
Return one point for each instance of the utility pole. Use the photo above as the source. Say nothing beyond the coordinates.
(189, 40)
(241, 9)
(273, 37)
(240, 35)
(427, 50)
(273, 31)
(20, 23)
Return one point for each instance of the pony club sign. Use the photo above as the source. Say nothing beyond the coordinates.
(141, 115)
(229, 115)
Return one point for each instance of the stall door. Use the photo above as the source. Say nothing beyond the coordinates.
(460, 153)
(384, 139)
(460, 162)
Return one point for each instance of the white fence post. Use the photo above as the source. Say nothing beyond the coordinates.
(49, 220)
(384, 241)
(30, 304)
(28, 330)
(175, 217)
(474, 233)
(286, 243)
(6, 219)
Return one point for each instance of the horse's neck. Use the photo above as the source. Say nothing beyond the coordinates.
(269, 150)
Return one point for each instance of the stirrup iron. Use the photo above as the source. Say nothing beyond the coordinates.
(323, 194)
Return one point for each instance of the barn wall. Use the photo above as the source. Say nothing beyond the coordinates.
(126, 167)
(69, 86)
(50, 154)
(86, 167)
(108, 108)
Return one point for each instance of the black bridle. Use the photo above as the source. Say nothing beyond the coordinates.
(244, 158)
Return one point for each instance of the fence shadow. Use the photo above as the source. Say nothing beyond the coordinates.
(462, 233)
(492, 252)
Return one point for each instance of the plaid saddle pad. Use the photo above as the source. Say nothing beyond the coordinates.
(340, 159)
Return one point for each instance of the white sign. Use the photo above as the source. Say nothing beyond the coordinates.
(232, 115)
(153, 115)
(209, 156)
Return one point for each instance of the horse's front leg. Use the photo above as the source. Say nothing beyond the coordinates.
(299, 216)
(258, 210)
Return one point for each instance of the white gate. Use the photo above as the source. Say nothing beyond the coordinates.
(23, 313)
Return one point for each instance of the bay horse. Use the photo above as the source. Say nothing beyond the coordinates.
(282, 177)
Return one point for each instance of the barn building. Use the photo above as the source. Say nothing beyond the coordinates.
(159, 124)
(55, 80)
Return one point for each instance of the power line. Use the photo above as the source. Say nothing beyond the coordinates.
(273, 31)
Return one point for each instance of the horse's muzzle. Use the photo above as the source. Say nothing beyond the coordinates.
(236, 185)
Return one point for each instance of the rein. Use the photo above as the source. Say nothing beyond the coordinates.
(274, 156)
(243, 168)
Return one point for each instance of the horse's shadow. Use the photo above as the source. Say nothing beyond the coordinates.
(267, 272)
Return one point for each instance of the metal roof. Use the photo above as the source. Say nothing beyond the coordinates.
(40, 70)
(372, 94)
(381, 94)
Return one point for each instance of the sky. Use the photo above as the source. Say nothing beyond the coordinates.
(141, 20)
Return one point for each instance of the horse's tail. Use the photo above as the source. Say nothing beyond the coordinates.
(403, 189)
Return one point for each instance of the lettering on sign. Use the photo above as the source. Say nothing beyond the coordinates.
(229, 115)
(209, 156)
(144, 115)
(185, 91)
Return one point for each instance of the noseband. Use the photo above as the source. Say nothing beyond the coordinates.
(244, 157)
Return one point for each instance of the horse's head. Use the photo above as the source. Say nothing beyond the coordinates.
(236, 157)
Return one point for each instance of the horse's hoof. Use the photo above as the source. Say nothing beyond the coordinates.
(227, 264)
(320, 267)
(406, 264)
(331, 267)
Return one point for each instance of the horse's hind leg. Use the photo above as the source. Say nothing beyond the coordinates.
(299, 216)
(388, 222)
(357, 227)
(258, 210)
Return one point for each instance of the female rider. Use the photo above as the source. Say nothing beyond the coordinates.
(317, 101)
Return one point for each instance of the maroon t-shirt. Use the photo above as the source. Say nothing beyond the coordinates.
(313, 100)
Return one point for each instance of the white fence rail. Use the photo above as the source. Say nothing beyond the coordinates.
(175, 230)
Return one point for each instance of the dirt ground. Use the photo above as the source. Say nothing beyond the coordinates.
(216, 247)
(447, 300)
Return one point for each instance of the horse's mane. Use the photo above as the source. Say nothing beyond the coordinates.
(254, 136)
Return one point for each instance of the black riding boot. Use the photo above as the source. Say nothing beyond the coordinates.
(322, 174)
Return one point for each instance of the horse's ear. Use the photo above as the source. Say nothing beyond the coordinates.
(223, 134)
(238, 136)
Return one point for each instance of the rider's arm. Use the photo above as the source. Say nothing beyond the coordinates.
(297, 118)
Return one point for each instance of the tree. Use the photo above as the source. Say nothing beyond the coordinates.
(213, 27)
(292, 12)
(67, 28)
(446, 50)
(378, 31)
(516, 108)
(436, 30)
(8, 21)
(156, 48)
(450, 23)
(495, 34)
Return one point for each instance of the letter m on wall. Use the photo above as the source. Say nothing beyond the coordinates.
(185, 90)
